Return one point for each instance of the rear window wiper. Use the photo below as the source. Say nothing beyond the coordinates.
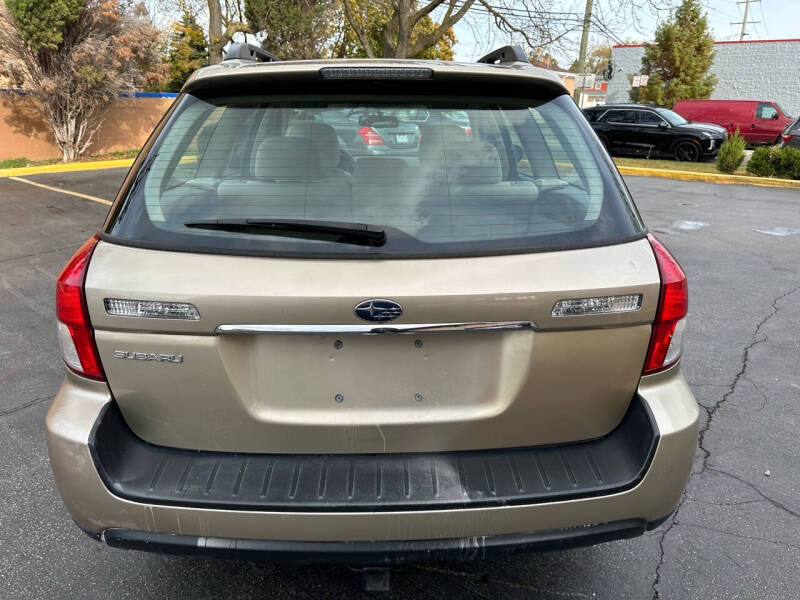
(359, 234)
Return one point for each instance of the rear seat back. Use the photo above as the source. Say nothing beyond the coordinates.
(295, 177)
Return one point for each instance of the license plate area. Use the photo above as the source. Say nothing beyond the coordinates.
(368, 378)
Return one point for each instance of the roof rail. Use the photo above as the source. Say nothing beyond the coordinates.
(249, 52)
(504, 55)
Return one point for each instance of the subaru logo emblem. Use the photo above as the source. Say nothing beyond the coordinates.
(378, 310)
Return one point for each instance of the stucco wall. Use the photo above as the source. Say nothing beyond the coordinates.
(126, 125)
(756, 70)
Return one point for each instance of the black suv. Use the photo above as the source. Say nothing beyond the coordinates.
(791, 135)
(653, 131)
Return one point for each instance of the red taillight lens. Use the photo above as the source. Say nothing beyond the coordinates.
(468, 131)
(786, 137)
(371, 137)
(666, 340)
(75, 334)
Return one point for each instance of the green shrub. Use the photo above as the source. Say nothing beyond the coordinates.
(761, 162)
(789, 162)
(11, 163)
(773, 161)
(731, 153)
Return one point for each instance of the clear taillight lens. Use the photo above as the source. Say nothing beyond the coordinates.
(75, 334)
(151, 309)
(666, 340)
(597, 305)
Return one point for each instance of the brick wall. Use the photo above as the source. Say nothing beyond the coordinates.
(755, 70)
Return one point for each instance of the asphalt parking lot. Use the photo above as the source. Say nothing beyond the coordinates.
(736, 533)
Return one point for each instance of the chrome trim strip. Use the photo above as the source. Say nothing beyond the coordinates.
(374, 329)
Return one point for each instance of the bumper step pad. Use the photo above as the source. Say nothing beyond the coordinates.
(142, 472)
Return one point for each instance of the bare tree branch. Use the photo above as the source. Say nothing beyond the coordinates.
(358, 27)
(450, 19)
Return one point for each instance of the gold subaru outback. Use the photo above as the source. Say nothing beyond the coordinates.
(371, 312)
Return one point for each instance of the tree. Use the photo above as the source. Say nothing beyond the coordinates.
(188, 50)
(407, 33)
(596, 62)
(374, 20)
(296, 29)
(75, 56)
(222, 26)
(678, 62)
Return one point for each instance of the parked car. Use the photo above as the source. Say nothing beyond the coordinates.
(758, 121)
(791, 135)
(447, 356)
(642, 129)
(372, 131)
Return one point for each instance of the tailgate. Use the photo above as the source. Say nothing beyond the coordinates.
(333, 389)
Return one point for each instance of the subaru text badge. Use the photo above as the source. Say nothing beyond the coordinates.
(378, 310)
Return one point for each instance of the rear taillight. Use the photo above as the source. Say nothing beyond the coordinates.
(371, 137)
(75, 334)
(786, 137)
(666, 340)
(468, 131)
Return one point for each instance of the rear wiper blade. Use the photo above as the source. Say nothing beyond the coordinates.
(359, 234)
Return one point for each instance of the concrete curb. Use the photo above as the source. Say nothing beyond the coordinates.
(67, 167)
(710, 177)
(638, 171)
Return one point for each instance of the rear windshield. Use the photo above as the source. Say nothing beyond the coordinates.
(305, 176)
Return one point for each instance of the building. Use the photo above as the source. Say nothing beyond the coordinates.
(567, 77)
(746, 70)
(593, 91)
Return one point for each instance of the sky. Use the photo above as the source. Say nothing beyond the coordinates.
(778, 19)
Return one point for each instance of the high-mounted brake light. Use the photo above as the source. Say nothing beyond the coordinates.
(371, 137)
(75, 334)
(376, 73)
(666, 340)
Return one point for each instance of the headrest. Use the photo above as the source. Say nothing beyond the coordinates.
(472, 163)
(324, 139)
(436, 137)
(286, 159)
(378, 169)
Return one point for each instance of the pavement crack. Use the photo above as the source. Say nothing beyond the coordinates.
(25, 405)
(741, 536)
(711, 503)
(756, 340)
(775, 503)
(661, 554)
(711, 411)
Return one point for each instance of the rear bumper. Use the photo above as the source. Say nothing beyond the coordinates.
(284, 533)
(146, 473)
(376, 553)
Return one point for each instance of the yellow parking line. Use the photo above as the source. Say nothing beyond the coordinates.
(55, 189)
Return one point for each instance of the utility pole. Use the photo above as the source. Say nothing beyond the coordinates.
(744, 21)
(587, 23)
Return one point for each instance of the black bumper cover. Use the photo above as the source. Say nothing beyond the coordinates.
(142, 472)
(376, 553)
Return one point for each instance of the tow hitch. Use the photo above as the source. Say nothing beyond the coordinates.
(375, 579)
